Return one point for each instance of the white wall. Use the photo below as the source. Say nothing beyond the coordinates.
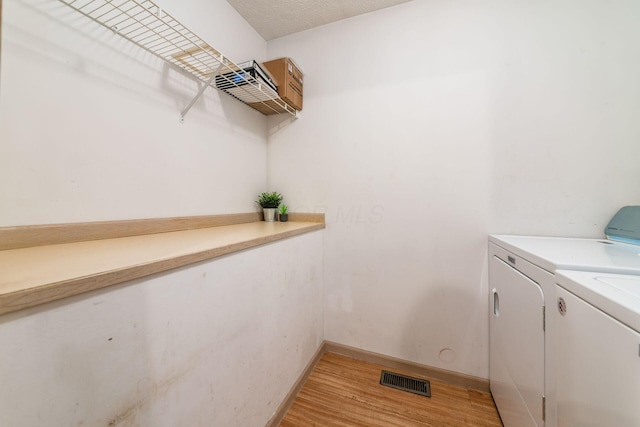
(89, 122)
(216, 344)
(89, 131)
(427, 126)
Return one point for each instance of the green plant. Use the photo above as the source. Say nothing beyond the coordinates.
(283, 209)
(269, 200)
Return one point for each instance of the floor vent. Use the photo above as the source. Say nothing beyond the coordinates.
(405, 383)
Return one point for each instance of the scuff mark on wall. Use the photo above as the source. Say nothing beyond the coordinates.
(155, 390)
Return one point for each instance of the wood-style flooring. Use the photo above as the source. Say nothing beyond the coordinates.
(345, 392)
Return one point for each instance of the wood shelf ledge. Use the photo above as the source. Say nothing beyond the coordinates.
(36, 275)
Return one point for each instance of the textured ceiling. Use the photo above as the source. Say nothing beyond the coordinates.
(277, 18)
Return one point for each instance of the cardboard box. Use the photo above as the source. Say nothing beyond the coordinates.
(288, 77)
(267, 107)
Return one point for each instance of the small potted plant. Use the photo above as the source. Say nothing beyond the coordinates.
(284, 213)
(269, 203)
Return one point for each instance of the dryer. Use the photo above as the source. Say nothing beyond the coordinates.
(522, 333)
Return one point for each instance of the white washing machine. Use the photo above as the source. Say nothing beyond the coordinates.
(598, 349)
(522, 278)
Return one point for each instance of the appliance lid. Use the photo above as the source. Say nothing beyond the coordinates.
(625, 226)
(565, 253)
(616, 295)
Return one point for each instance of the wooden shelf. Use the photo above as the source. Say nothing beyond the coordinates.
(37, 275)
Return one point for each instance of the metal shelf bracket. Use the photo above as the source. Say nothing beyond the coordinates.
(199, 94)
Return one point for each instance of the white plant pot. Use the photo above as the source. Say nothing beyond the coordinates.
(269, 214)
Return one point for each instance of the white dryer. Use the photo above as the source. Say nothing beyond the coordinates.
(598, 349)
(522, 281)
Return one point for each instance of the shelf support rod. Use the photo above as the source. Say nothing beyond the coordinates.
(201, 91)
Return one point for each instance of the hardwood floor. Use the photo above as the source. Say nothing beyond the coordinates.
(345, 392)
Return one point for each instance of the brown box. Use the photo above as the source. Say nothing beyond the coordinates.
(289, 80)
(267, 107)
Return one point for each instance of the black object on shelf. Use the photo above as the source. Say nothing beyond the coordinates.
(249, 69)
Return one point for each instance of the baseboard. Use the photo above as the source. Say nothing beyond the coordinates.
(291, 396)
(449, 377)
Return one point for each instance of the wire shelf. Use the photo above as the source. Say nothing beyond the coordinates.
(145, 23)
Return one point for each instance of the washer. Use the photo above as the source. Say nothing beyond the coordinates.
(522, 282)
(598, 349)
